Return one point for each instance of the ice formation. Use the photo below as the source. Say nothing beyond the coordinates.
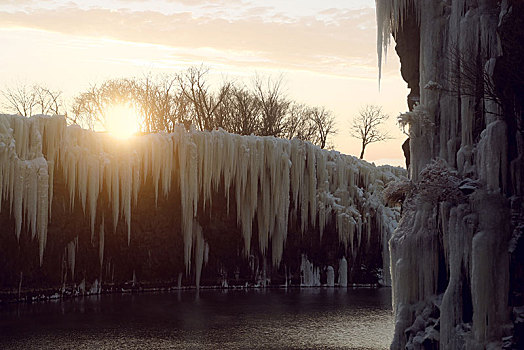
(269, 177)
(390, 16)
(449, 255)
(343, 273)
(309, 273)
(330, 276)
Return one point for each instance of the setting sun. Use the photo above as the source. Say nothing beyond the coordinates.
(122, 121)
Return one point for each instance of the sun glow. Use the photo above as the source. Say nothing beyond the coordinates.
(122, 121)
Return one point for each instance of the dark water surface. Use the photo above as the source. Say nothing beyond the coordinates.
(212, 319)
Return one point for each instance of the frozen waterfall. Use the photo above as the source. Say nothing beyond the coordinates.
(454, 275)
(269, 178)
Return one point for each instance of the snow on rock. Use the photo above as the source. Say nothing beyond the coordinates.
(432, 85)
(269, 178)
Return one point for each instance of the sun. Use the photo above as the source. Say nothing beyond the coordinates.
(122, 121)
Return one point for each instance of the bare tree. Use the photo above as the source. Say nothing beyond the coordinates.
(247, 110)
(185, 98)
(195, 88)
(313, 124)
(88, 107)
(225, 114)
(92, 105)
(37, 99)
(325, 125)
(239, 112)
(144, 94)
(366, 126)
(468, 77)
(20, 99)
(48, 101)
(159, 102)
(273, 105)
(298, 123)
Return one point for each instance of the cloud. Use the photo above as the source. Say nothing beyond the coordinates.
(205, 2)
(17, 2)
(332, 42)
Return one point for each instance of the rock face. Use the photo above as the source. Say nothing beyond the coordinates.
(81, 209)
(457, 254)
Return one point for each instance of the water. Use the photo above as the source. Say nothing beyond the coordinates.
(211, 319)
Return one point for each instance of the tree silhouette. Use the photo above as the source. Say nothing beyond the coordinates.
(188, 98)
(324, 125)
(366, 126)
(27, 100)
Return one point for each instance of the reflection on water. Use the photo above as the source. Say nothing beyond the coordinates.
(211, 319)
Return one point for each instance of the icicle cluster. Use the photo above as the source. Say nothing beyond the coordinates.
(309, 274)
(449, 251)
(390, 16)
(269, 177)
(26, 177)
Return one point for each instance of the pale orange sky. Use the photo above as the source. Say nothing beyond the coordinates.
(325, 50)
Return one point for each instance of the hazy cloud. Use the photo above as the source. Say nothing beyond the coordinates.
(334, 41)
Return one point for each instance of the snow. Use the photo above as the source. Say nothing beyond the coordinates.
(432, 85)
(271, 177)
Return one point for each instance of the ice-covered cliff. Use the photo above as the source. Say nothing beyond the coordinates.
(457, 255)
(202, 186)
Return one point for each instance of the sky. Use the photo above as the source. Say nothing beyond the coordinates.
(325, 50)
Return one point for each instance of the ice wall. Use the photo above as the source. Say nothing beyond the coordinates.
(269, 180)
(455, 278)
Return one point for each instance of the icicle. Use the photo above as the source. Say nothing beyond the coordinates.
(126, 194)
(53, 134)
(101, 243)
(71, 256)
(200, 249)
(42, 206)
(95, 287)
(312, 191)
(156, 162)
(18, 195)
(343, 272)
(93, 191)
(271, 177)
(179, 280)
(330, 276)
(390, 16)
(82, 179)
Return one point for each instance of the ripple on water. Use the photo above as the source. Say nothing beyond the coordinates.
(232, 319)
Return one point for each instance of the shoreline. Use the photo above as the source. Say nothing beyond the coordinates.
(54, 294)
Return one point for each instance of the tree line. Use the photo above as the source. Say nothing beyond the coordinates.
(188, 98)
